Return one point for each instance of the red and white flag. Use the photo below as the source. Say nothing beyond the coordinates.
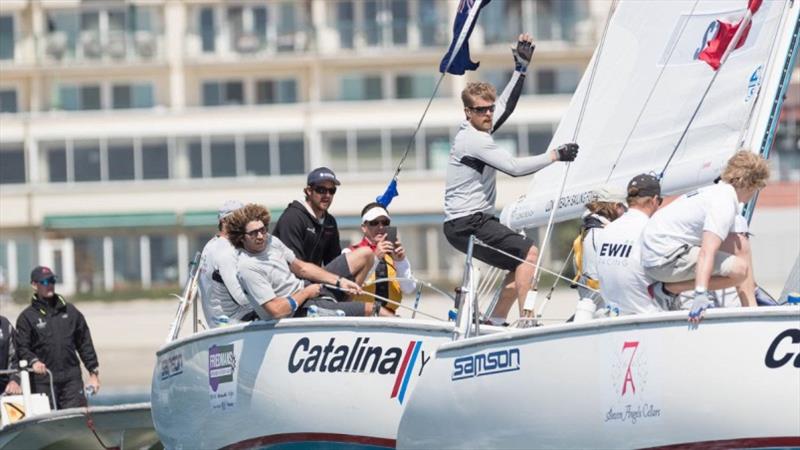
(717, 49)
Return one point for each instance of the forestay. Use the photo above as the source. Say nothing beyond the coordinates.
(648, 83)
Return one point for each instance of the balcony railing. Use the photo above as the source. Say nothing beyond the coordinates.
(91, 46)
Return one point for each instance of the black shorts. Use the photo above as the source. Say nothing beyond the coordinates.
(489, 230)
(337, 266)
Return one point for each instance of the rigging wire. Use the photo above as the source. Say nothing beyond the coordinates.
(557, 200)
(650, 94)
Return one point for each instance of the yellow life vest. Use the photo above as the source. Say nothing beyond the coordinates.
(395, 294)
(577, 251)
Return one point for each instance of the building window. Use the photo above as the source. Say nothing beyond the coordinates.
(561, 80)
(437, 141)
(360, 87)
(87, 161)
(557, 20)
(7, 40)
(223, 157)
(89, 264)
(335, 145)
(399, 14)
(538, 139)
(399, 142)
(431, 18)
(195, 149)
(502, 21)
(127, 261)
(8, 101)
(507, 139)
(345, 24)
(257, 156)
(163, 260)
(77, 98)
(415, 86)
(125, 96)
(369, 153)
(276, 91)
(208, 31)
(12, 164)
(292, 155)
(248, 28)
(155, 160)
(121, 161)
(56, 163)
(220, 93)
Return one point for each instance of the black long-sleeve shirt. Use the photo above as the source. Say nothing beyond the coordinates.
(8, 354)
(310, 240)
(55, 333)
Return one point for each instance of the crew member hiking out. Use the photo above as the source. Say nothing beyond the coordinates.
(470, 192)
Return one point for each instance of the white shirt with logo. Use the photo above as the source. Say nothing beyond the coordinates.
(622, 280)
(682, 222)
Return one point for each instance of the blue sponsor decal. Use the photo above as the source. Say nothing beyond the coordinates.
(754, 83)
(478, 365)
(171, 365)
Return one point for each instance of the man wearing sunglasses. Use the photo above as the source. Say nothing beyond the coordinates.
(470, 191)
(51, 335)
(307, 228)
(274, 278)
(623, 283)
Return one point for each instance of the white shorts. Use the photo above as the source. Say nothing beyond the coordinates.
(683, 266)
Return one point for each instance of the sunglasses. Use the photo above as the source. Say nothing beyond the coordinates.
(659, 200)
(482, 109)
(254, 234)
(47, 281)
(322, 190)
(376, 222)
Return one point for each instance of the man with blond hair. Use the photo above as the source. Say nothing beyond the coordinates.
(693, 242)
(470, 192)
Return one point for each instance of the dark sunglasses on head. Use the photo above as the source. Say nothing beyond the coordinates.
(255, 233)
(482, 109)
(322, 190)
(376, 222)
(47, 281)
(659, 200)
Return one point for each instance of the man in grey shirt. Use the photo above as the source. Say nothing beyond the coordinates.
(222, 297)
(273, 277)
(469, 201)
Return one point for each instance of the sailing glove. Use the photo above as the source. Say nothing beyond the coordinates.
(523, 53)
(700, 303)
(567, 152)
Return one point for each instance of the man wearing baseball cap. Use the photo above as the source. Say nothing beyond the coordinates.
(51, 335)
(623, 283)
(220, 290)
(307, 228)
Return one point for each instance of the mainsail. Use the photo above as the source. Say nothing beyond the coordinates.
(647, 85)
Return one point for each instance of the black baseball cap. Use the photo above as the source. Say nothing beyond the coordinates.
(644, 185)
(40, 273)
(321, 174)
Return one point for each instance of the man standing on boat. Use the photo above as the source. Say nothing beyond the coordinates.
(390, 258)
(272, 276)
(623, 283)
(470, 192)
(693, 243)
(219, 285)
(9, 384)
(51, 335)
(307, 228)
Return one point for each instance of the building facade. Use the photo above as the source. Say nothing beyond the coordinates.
(124, 124)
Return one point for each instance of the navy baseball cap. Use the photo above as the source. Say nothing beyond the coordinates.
(40, 273)
(644, 185)
(321, 174)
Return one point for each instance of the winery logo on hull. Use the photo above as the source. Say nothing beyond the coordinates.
(359, 356)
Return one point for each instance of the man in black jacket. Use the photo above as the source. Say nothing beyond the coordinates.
(9, 384)
(307, 228)
(51, 333)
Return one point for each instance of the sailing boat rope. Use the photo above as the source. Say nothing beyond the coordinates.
(537, 273)
(650, 94)
(419, 124)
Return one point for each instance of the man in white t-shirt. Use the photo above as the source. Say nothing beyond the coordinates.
(623, 283)
(220, 292)
(693, 243)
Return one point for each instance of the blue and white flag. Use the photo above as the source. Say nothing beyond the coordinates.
(457, 60)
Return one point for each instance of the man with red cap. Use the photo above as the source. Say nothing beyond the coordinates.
(51, 335)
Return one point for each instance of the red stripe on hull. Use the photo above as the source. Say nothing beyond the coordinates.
(311, 437)
(784, 441)
(402, 370)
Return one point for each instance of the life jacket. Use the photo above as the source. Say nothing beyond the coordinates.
(590, 221)
(383, 269)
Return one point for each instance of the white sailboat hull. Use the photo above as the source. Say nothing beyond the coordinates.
(634, 382)
(308, 382)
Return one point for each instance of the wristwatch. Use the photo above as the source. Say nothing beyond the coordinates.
(95, 372)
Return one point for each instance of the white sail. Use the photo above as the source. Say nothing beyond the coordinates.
(648, 83)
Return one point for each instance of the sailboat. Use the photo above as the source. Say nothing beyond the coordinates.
(647, 103)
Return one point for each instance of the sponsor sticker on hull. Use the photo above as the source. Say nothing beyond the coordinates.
(360, 356)
(632, 398)
(171, 366)
(223, 369)
(486, 363)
